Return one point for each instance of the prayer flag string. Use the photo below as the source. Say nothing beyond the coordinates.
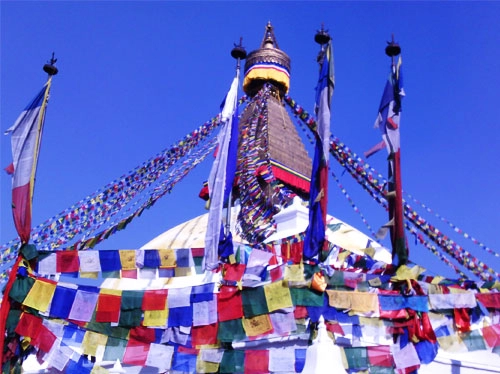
(453, 226)
(361, 172)
(99, 207)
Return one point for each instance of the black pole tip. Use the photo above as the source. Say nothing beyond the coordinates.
(239, 52)
(50, 67)
(322, 36)
(393, 49)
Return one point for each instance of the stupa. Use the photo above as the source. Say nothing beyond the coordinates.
(158, 309)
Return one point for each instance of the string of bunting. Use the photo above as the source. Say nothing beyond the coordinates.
(255, 216)
(454, 227)
(354, 206)
(356, 168)
(342, 189)
(411, 229)
(163, 188)
(106, 202)
(378, 195)
(156, 325)
(372, 185)
(434, 250)
(429, 210)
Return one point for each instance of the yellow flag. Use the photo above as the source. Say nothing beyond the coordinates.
(451, 343)
(364, 302)
(91, 342)
(277, 296)
(339, 299)
(89, 274)
(99, 370)
(404, 272)
(205, 366)
(258, 325)
(127, 259)
(40, 295)
(155, 318)
(167, 258)
(294, 273)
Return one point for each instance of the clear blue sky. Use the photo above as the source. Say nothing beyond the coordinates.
(135, 77)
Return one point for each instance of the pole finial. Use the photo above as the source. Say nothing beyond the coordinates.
(322, 36)
(50, 67)
(239, 52)
(393, 49)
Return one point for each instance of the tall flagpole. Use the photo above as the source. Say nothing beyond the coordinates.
(325, 57)
(51, 70)
(314, 241)
(239, 53)
(219, 183)
(396, 214)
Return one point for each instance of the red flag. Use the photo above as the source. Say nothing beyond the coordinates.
(26, 133)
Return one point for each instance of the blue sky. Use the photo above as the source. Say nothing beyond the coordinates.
(135, 77)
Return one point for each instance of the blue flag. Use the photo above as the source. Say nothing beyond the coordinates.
(389, 112)
(318, 195)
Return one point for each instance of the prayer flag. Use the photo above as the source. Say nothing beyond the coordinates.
(204, 313)
(229, 303)
(256, 361)
(136, 353)
(67, 262)
(232, 361)
(258, 325)
(40, 295)
(387, 121)
(26, 134)
(283, 321)
(318, 197)
(62, 301)
(92, 341)
(277, 296)
(182, 316)
(254, 301)
(108, 306)
(44, 339)
(160, 356)
(491, 335)
(380, 356)
(282, 359)
(219, 177)
(204, 335)
(154, 300)
(390, 109)
(83, 306)
(155, 318)
(28, 325)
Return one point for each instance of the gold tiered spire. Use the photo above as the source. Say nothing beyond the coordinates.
(270, 65)
(267, 64)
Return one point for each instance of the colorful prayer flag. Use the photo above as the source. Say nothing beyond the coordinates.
(390, 109)
(219, 175)
(387, 121)
(318, 197)
(26, 134)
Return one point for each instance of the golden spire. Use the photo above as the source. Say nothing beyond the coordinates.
(268, 64)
